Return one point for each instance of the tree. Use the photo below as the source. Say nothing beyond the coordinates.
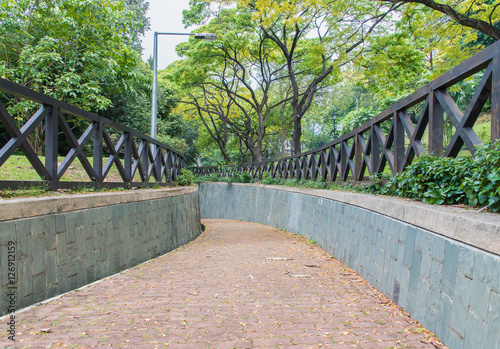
(481, 16)
(446, 42)
(390, 46)
(242, 66)
(213, 109)
(313, 38)
(339, 32)
(83, 52)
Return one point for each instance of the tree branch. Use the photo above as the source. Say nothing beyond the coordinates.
(459, 18)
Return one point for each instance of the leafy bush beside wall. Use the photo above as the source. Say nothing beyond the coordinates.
(473, 181)
(185, 178)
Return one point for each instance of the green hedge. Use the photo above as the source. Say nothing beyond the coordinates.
(238, 178)
(473, 181)
(185, 178)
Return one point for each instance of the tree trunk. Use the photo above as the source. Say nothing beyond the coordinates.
(223, 150)
(256, 152)
(283, 133)
(297, 134)
(37, 141)
(283, 140)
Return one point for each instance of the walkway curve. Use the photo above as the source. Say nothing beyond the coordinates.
(239, 285)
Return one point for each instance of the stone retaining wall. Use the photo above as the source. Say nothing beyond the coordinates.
(62, 243)
(440, 264)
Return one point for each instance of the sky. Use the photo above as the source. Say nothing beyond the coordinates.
(166, 16)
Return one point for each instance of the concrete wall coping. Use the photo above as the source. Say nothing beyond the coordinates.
(479, 229)
(37, 206)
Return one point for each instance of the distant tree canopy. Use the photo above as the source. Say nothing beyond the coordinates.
(269, 83)
(377, 50)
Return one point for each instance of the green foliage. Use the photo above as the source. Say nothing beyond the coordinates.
(80, 51)
(483, 186)
(393, 66)
(371, 67)
(178, 144)
(185, 178)
(86, 53)
(474, 181)
(238, 178)
(40, 190)
(307, 183)
(432, 180)
(356, 118)
(245, 177)
(446, 43)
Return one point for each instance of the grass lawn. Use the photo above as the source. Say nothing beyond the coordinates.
(19, 168)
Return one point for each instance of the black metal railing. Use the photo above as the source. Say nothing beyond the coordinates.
(391, 138)
(139, 159)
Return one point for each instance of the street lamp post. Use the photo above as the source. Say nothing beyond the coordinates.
(334, 117)
(204, 36)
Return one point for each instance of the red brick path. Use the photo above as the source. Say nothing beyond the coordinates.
(231, 288)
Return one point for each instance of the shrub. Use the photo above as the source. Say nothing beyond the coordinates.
(245, 178)
(482, 187)
(185, 178)
(469, 180)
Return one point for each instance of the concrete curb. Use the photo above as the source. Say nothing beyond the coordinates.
(39, 206)
(479, 229)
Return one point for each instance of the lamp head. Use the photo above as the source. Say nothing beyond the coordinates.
(206, 36)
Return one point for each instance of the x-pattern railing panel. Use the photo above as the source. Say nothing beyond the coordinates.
(130, 152)
(19, 138)
(391, 139)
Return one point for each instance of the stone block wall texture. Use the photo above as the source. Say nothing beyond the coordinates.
(451, 288)
(57, 253)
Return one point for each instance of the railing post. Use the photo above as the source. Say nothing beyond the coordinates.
(304, 165)
(375, 150)
(127, 161)
(495, 100)
(323, 160)
(314, 166)
(51, 124)
(344, 159)
(399, 143)
(98, 148)
(358, 159)
(173, 167)
(435, 126)
(332, 153)
(159, 154)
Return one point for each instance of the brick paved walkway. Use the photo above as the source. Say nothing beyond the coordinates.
(231, 288)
